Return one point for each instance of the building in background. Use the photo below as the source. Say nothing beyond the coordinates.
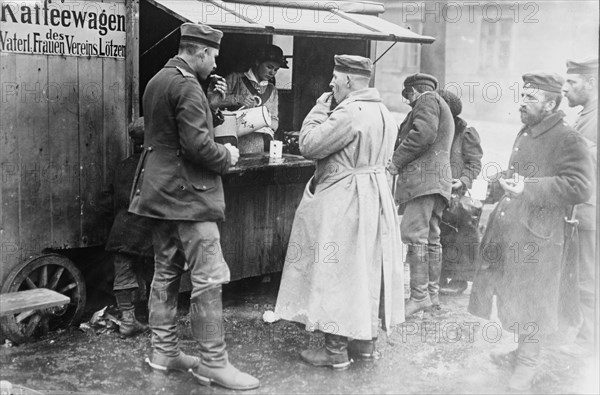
(483, 47)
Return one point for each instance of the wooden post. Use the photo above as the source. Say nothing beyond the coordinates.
(132, 82)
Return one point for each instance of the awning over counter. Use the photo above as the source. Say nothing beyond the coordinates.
(273, 18)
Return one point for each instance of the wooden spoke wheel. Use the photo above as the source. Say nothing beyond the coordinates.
(52, 271)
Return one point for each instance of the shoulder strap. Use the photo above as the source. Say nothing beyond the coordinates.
(185, 73)
(263, 96)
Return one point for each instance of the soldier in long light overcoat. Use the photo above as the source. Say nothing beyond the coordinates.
(550, 170)
(344, 257)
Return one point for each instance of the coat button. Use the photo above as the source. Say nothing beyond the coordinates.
(516, 148)
(502, 214)
(203, 186)
(142, 170)
(508, 199)
(149, 148)
(137, 191)
(525, 134)
(512, 167)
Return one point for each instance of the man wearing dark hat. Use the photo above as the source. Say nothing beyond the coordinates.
(343, 260)
(422, 160)
(130, 239)
(459, 234)
(581, 89)
(178, 183)
(550, 170)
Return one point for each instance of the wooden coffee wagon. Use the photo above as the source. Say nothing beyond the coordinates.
(72, 75)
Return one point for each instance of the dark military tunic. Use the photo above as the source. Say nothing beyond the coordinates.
(423, 153)
(520, 257)
(178, 177)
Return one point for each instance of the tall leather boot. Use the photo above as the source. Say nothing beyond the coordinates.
(334, 354)
(363, 350)
(166, 355)
(419, 300)
(130, 326)
(206, 315)
(434, 262)
(526, 367)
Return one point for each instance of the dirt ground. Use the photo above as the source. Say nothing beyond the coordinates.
(442, 352)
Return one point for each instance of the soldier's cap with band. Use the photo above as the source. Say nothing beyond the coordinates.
(421, 79)
(201, 34)
(352, 64)
(544, 81)
(586, 66)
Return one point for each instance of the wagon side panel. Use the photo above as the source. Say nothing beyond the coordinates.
(34, 154)
(10, 169)
(63, 114)
(115, 115)
(91, 150)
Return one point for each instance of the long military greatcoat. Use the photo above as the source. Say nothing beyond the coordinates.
(178, 177)
(345, 234)
(520, 258)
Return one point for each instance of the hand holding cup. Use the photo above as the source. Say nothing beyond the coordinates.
(234, 154)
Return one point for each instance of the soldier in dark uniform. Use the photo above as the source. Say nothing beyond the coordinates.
(130, 239)
(520, 261)
(178, 183)
(581, 89)
(421, 160)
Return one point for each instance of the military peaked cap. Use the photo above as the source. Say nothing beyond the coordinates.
(201, 34)
(587, 66)
(544, 80)
(352, 64)
(421, 79)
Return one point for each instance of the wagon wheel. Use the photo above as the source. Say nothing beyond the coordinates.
(51, 271)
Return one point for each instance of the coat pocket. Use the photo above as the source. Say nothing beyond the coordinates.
(196, 177)
(539, 225)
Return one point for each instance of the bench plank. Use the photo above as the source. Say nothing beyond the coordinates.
(32, 299)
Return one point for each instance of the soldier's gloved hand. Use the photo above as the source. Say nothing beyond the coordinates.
(234, 154)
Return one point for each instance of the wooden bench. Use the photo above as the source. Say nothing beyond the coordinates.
(32, 299)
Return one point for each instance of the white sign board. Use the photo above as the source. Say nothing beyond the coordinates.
(66, 28)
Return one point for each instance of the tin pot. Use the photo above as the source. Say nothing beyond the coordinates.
(242, 122)
(251, 119)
